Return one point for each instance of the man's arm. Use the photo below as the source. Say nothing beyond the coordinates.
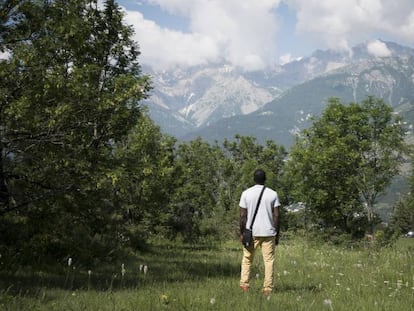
(276, 221)
(243, 220)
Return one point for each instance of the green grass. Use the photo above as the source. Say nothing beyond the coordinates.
(308, 276)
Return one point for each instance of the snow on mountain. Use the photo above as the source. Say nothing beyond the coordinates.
(205, 94)
(187, 100)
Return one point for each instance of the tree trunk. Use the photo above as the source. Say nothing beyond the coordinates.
(370, 215)
(4, 191)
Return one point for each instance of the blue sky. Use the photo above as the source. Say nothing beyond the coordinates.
(259, 34)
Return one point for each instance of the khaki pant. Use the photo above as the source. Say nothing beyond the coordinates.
(267, 245)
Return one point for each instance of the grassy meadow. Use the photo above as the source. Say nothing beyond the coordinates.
(167, 276)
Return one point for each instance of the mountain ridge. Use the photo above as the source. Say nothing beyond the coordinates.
(218, 101)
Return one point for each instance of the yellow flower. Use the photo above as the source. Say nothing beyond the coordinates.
(164, 299)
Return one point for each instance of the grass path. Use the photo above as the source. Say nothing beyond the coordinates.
(308, 276)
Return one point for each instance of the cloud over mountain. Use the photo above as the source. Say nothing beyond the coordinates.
(247, 33)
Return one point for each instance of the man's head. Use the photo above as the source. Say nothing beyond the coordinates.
(259, 177)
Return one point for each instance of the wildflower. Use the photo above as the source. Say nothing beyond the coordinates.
(140, 267)
(89, 272)
(69, 261)
(123, 269)
(212, 301)
(386, 282)
(257, 275)
(164, 299)
(328, 303)
(145, 269)
(285, 272)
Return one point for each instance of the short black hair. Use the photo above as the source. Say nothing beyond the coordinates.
(259, 176)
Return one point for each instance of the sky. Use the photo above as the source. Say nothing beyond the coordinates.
(260, 34)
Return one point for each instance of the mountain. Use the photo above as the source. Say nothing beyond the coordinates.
(184, 100)
(217, 101)
(390, 78)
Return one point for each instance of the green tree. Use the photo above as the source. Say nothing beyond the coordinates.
(402, 216)
(144, 181)
(345, 160)
(247, 155)
(381, 153)
(68, 95)
(197, 188)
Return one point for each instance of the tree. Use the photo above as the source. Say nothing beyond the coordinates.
(381, 153)
(402, 215)
(347, 158)
(68, 95)
(144, 181)
(197, 192)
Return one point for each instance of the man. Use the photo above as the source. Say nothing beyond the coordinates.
(265, 229)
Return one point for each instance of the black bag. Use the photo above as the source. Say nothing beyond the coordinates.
(247, 238)
(248, 233)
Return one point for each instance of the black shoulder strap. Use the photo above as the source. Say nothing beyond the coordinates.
(257, 208)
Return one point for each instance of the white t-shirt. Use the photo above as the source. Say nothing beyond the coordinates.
(263, 225)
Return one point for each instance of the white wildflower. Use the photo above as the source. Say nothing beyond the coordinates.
(145, 269)
(69, 261)
(212, 301)
(123, 269)
(89, 272)
(328, 303)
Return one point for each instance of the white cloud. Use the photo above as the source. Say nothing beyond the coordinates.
(242, 32)
(378, 49)
(340, 24)
(163, 48)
